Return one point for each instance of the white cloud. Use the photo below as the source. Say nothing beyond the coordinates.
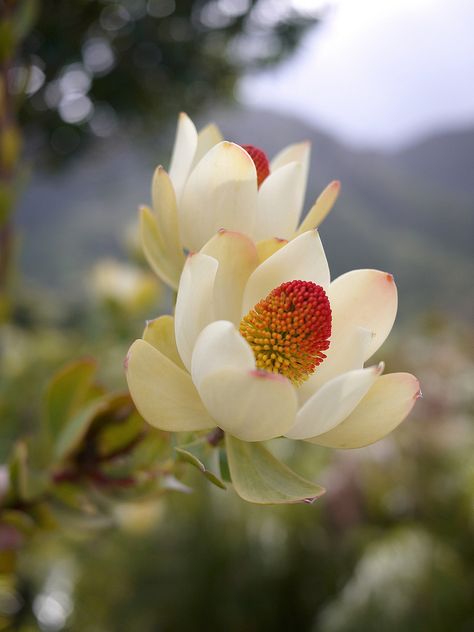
(379, 72)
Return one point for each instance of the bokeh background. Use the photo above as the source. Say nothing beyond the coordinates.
(384, 92)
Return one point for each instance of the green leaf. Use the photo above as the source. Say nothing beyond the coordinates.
(66, 393)
(26, 481)
(24, 18)
(76, 428)
(154, 447)
(7, 40)
(197, 454)
(17, 472)
(224, 465)
(118, 434)
(259, 477)
(74, 496)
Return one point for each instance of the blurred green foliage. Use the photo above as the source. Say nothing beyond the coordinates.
(390, 547)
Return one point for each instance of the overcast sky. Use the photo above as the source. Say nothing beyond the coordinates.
(379, 72)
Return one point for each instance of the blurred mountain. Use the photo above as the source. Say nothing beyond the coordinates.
(445, 160)
(410, 212)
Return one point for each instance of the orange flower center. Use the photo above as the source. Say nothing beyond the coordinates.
(260, 161)
(289, 330)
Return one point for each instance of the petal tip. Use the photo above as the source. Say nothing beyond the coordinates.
(160, 171)
(222, 232)
(418, 394)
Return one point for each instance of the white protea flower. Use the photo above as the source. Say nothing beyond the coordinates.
(214, 184)
(266, 346)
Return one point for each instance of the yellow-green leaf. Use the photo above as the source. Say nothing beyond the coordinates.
(198, 454)
(258, 477)
(67, 391)
(75, 429)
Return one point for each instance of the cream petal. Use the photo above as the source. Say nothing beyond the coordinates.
(166, 212)
(266, 247)
(333, 402)
(321, 208)
(250, 405)
(194, 303)
(299, 152)
(184, 149)
(238, 258)
(221, 192)
(301, 259)
(207, 138)
(363, 298)
(280, 200)
(384, 407)
(166, 266)
(219, 346)
(163, 393)
(160, 334)
(345, 353)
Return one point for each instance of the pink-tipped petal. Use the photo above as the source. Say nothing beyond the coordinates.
(301, 259)
(163, 393)
(367, 299)
(385, 406)
(250, 405)
(194, 303)
(333, 402)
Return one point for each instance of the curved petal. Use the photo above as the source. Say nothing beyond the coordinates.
(298, 152)
(280, 200)
(333, 402)
(250, 405)
(267, 247)
(363, 298)
(163, 393)
(221, 192)
(238, 258)
(384, 407)
(184, 149)
(160, 334)
(207, 138)
(167, 267)
(321, 208)
(345, 353)
(166, 211)
(219, 346)
(301, 259)
(194, 303)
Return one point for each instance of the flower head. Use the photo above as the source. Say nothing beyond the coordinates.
(215, 184)
(289, 329)
(264, 345)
